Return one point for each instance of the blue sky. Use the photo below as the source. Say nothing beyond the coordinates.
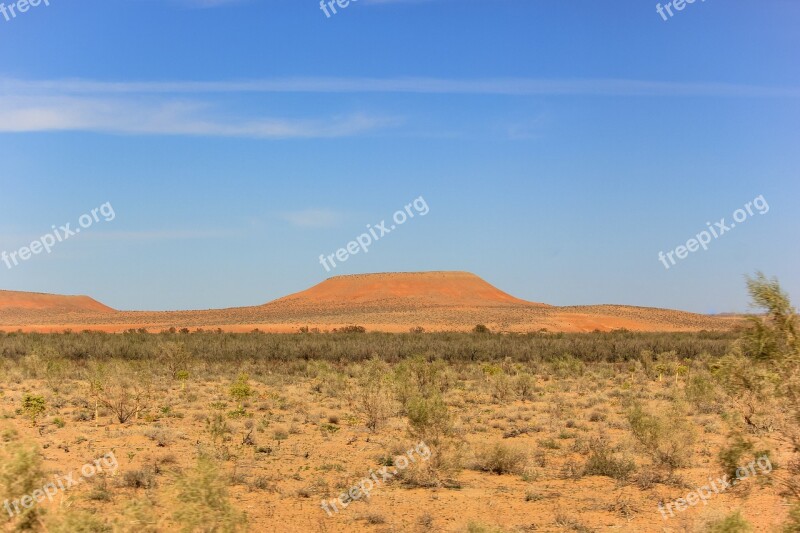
(560, 146)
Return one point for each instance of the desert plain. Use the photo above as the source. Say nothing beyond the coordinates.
(531, 417)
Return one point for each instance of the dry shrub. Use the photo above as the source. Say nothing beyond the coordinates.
(525, 386)
(501, 387)
(668, 439)
(500, 458)
(420, 377)
(174, 358)
(374, 394)
(604, 462)
(119, 388)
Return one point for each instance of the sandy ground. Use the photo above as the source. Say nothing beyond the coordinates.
(302, 455)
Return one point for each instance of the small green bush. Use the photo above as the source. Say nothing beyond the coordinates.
(33, 406)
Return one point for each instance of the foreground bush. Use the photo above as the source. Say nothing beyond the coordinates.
(20, 474)
(203, 505)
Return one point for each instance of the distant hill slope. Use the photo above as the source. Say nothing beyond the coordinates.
(34, 301)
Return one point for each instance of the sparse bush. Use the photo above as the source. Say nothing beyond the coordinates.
(217, 427)
(501, 458)
(374, 394)
(120, 389)
(604, 462)
(501, 387)
(203, 505)
(162, 436)
(174, 357)
(668, 439)
(144, 478)
(701, 392)
(429, 419)
(524, 385)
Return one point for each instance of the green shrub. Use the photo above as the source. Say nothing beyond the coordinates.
(240, 391)
(33, 406)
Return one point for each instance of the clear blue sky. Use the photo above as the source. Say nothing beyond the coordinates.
(560, 145)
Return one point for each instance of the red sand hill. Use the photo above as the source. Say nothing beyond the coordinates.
(450, 289)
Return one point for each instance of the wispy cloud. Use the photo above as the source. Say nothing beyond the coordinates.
(167, 117)
(493, 86)
(184, 108)
(313, 218)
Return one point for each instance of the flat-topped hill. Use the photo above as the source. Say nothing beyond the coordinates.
(449, 289)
